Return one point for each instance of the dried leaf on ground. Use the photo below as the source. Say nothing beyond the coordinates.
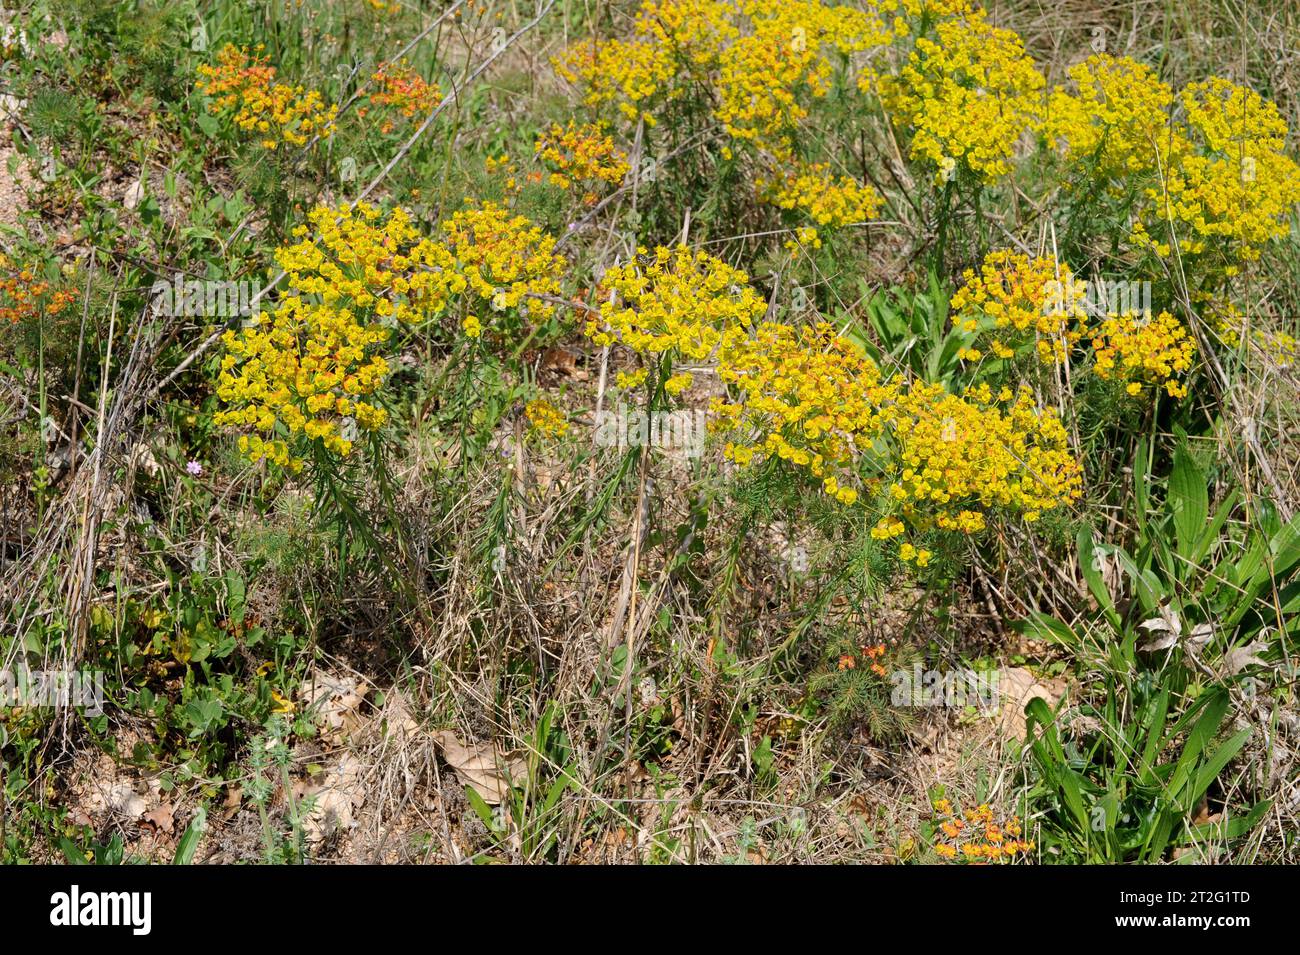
(483, 766)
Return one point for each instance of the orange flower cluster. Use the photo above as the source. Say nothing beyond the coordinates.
(871, 655)
(403, 92)
(977, 836)
(244, 87)
(22, 296)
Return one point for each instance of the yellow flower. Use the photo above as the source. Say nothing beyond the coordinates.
(1136, 349)
(678, 383)
(675, 300)
(1021, 303)
(830, 201)
(503, 259)
(581, 154)
(243, 87)
(1229, 187)
(546, 419)
(1115, 124)
(966, 96)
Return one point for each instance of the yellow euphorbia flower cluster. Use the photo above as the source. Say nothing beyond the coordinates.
(582, 154)
(545, 419)
(677, 300)
(811, 397)
(1231, 184)
(1116, 120)
(833, 201)
(766, 85)
(807, 396)
(762, 62)
(694, 31)
(309, 368)
(308, 372)
(957, 457)
(1218, 178)
(1139, 349)
(354, 270)
(1015, 301)
(762, 80)
(634, 75)
(968, 96)
(814, 399)
(507, 261)
(354, 253)
(243, 86)
(1018, 301)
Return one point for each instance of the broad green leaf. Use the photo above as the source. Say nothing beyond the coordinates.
(1189, 501)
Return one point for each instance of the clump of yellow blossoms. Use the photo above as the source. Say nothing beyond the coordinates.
(675, 300)
(811, 397)
(1017, 301)
(1230, 186)
(505, 259)
(243, 86)
(352, 273)
(354, 253)
(1215, 179)
(403, 91)
(762, 80)
(762, 64)
(1138, 349)
(546, 419)
(1116, 121)
(1042, 298)
(967, 96)
(977, 836)
(581, 154)
(307, 369)
(631, 75)
(828, 200)
(785, 60)
(807, 396)
(957, 457)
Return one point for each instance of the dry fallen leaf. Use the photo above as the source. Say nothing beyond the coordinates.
(563, 362)
(134, 195)
(1016, 687)
(482, 766)
(335, 701)
(1238, 658)
(334, 799)
(163, 818)
(1201, 634)
(1168, 625)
